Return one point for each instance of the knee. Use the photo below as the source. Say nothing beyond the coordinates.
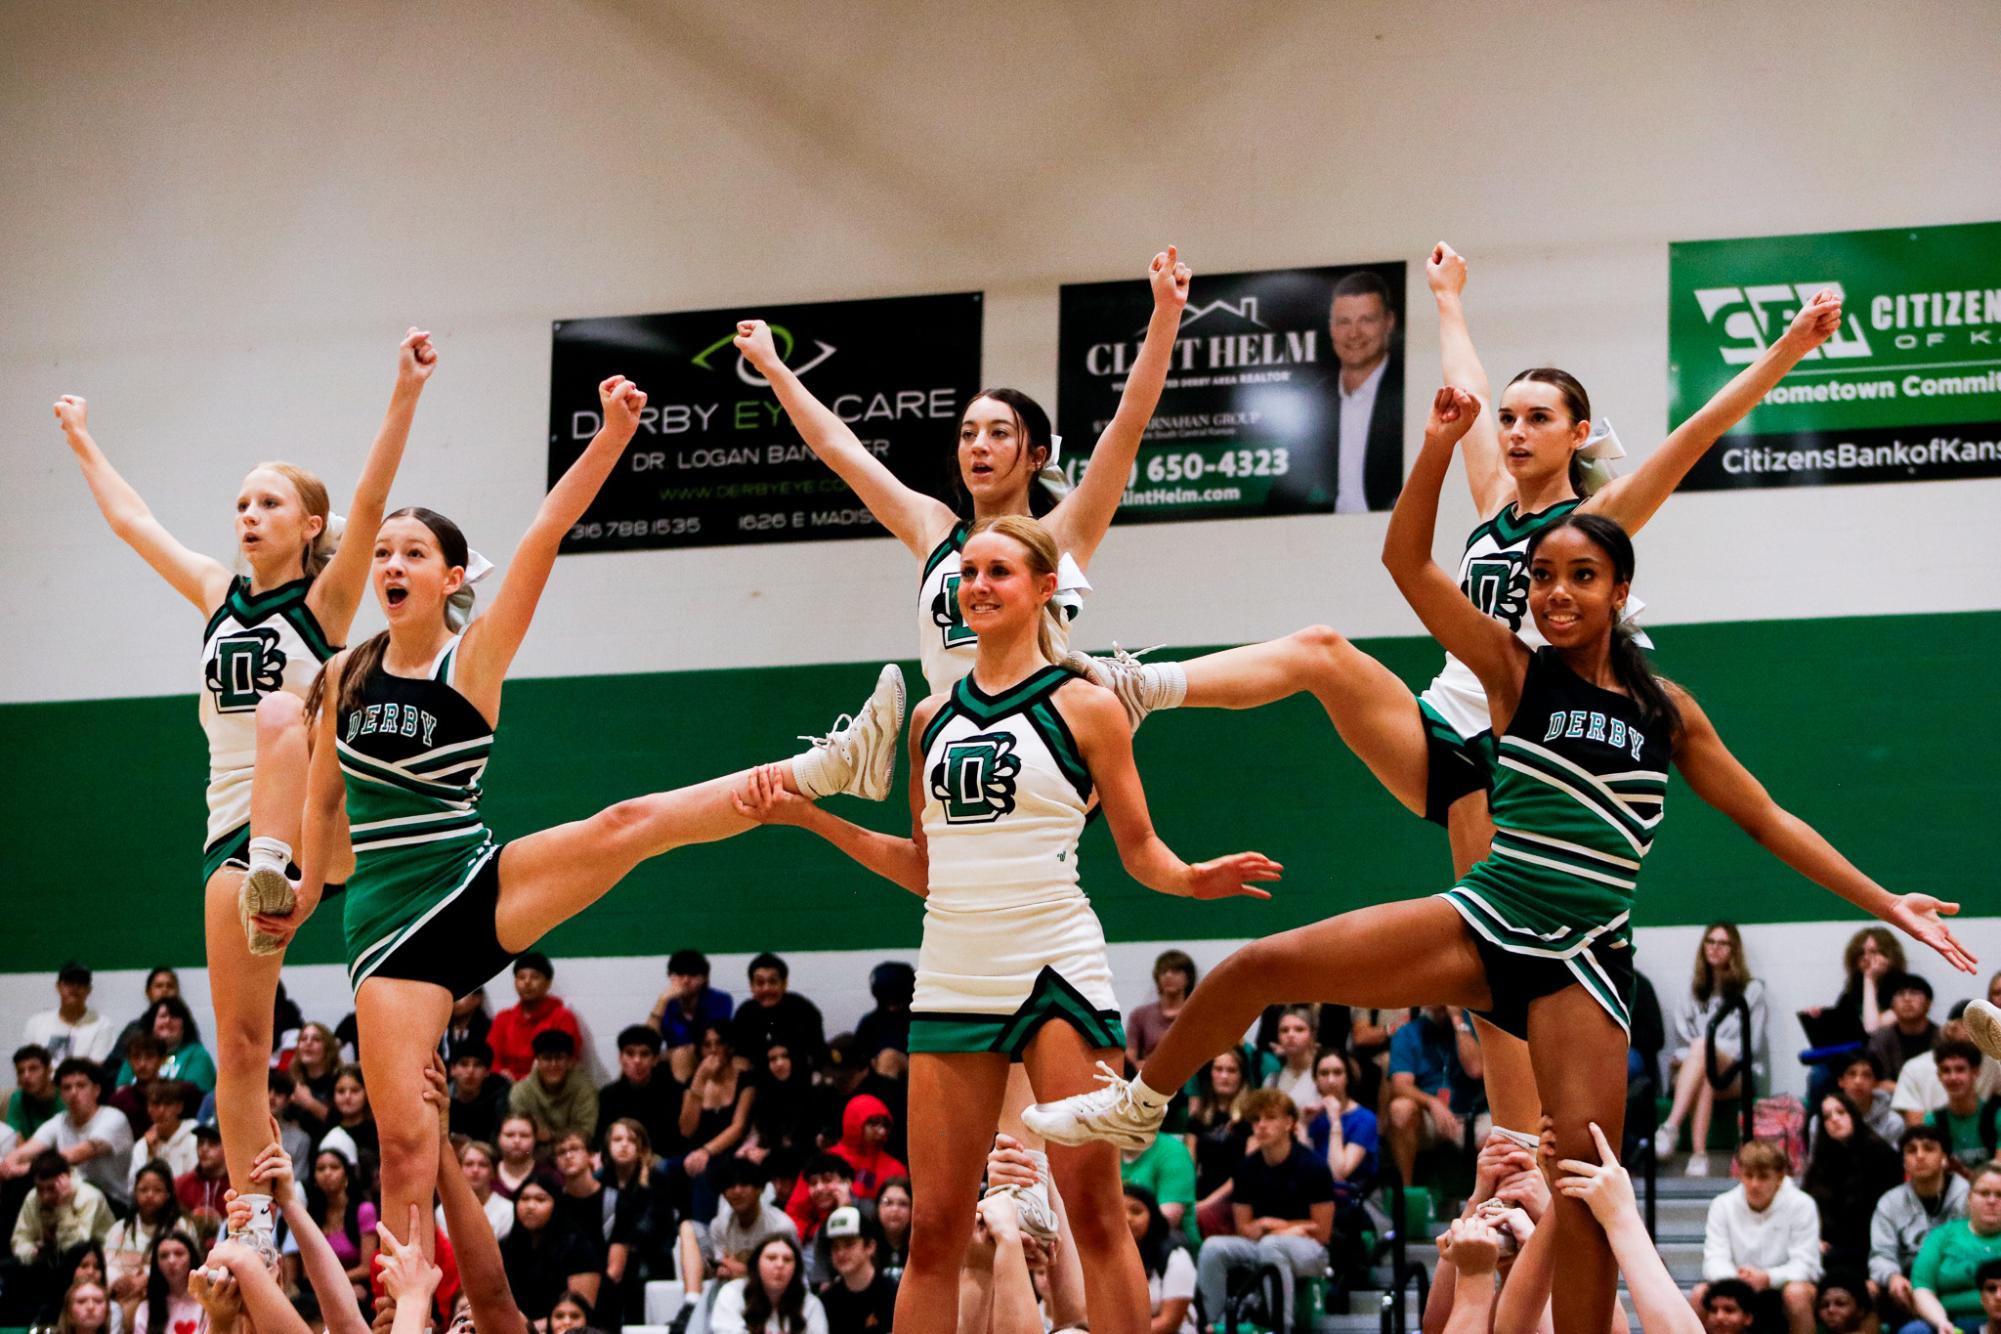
(1403, 1114)
(407, 1142)
(1799, 1297)
(936, 1240)
(1097, 1228)
(1322, 645)
(242, 1044)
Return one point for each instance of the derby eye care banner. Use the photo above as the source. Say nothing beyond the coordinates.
(717, 461)
(1908, 391)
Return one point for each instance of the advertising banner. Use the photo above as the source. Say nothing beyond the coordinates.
(716, 460)
(1908, 391)
(1285, 394)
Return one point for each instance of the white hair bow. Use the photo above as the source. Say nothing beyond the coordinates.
(330, 532)
(1054, 480)
(1597, 452)
(458, 607)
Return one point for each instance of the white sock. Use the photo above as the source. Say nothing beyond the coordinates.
(1147, 1097)
(272, 854)
(262, 1218)
(820, 772)
(1521, 1137)
(1169, 684)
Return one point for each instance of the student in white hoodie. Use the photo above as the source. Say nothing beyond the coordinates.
(1766, 1232)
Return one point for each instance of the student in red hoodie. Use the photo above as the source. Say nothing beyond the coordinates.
(512, 1036)
(865, 1127)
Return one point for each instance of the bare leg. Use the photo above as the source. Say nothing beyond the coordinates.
(1059, 1065)
(1413, 952)
(1507, 1071)
(693, 1272)
(401, 1024)
(1689, 1079)
(1705, 1109)
(1580, 1062)
(278, 789)
(1374, 712)
(549, 877)
(954, 1100)
(1405, 1132)
(242, 985)
(1020, 1094)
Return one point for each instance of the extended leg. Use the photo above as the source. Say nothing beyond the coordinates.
(242, 985)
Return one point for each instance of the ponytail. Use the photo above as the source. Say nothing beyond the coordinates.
(1630, 665)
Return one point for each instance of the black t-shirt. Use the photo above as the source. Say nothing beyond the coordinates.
(480, 1118)
(656, 1104)
(871, 1310)
(589, 1218)
(794, 1022)
(539, 1274)
(1288, 1191)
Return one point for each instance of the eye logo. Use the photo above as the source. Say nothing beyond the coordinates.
(781, 336)
(1751, 317)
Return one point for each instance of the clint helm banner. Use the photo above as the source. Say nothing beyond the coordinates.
(1284, 394)
(1909, 390)
(716, 460)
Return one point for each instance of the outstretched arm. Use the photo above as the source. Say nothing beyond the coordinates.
(1080, 519)
(273, 1170)
(1480, 451)
(337, 592)
(1632, 499)
(901, 861)
(490, 644)
(1721, 780)
(1103, 734)
(1481, 642)
(917, 520)
(200, 579)
(1608, 1192)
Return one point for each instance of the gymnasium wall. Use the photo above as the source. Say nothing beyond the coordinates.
(220, 219)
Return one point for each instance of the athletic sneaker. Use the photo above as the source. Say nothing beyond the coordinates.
(1031, 1203)
(264, 889)
(1110, 1114)
(861, 750)
(1140, 686)
(1666, 1140)
(1698, 1164)
(1983, 1025)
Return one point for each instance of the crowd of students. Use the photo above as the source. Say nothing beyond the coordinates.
(758, 1166)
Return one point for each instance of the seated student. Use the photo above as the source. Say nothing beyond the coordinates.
(1433, 1070)
(94, 1139)
(1170, 1272)
(1218, 1136)
(776, 1014)
(1911, 1032)
(865, 1127)
(155, 1213)
(687, 1006)
(773, 1298)
(859, 1298)
(784, 1116)
(724, 1246)
(642, 1092)
(168, 1305)
(72, 1028)
(848, 1073)
(1988, 1276)
(1861, 1078)
(352, 1133)
(715, 1116)
(292, 1137)
(1849, 1170)
(1944, 1291)
(200, 1191)
(1842, 1304)
(1765, 1231)
(343, 1217)
(186, 1059)
(892, 1220)
(479, 1096)
(644, 1219)
(544, 1258)
(62, 1211)
(515, 1028)
(826, 1184)
(1283, 1201)
(1342, 1132)
(517, 1156)
(34, 1098)
(1166, 1172)
(143, 1057)
(1967, 1121)
(883, 1035)
(1174, 975)
(477, 1160)
(1919, 1092)
(170, 1138)
(556, 1096)
(1905, 1216)
(1294, 1050)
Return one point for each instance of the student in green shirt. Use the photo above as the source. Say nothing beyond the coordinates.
(1165, 1168)
(1961, 1119)
(1945, 1291)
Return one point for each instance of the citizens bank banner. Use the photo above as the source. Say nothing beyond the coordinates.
(1284, 395)
(1908, 391)
(717, 461)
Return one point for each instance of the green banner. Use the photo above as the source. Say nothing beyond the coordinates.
(1909, 390)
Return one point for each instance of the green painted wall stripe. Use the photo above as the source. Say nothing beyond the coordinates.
(1882, 731)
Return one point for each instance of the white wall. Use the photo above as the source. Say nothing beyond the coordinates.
(219, 218)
